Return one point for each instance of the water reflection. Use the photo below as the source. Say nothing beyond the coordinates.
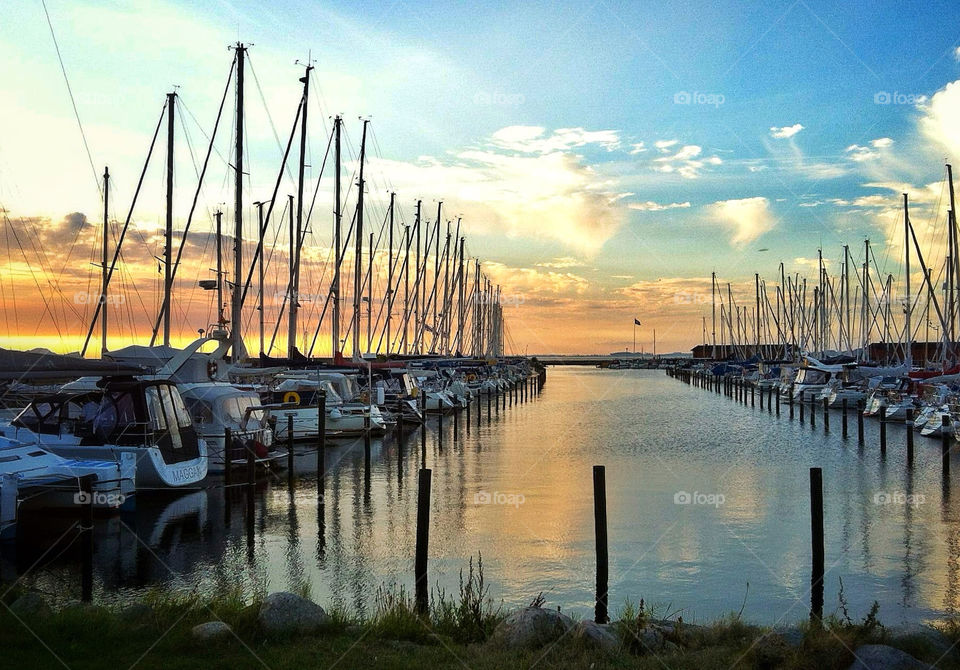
(516, 486)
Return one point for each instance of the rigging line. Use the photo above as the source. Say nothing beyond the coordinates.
(38, 251)
(196, 194)
(73, 102)
(33, 275)
(123, 232)
(273, 127)
(6, 235)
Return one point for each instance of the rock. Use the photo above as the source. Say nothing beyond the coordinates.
(650, 639)
(211, 630)
(771, 650)
(284, 612)
(883, 657)
(597, 635)
(30, 605)
(923, 636)
(532, 627)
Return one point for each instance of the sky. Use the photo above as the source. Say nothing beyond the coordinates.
(605, 158)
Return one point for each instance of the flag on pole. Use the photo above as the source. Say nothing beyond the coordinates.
(636, 322)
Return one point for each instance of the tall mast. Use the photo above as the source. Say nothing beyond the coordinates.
(297, 235)
(292, 298)
(436, 274)
(168, 229)
(370, 295)
(335, 289)
(236, 315)
(260, 309)
(756, 320)
(908, 304)
(460, 312)
(713, 305)
(846, 295)
(358, 255)
(406, 288)
(952, 222)
(390, 273)
(220, 318)
(103, 259)
(416, 279)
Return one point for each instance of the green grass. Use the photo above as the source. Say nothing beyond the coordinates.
(453, 634)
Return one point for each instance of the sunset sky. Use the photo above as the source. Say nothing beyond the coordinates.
(605, 157)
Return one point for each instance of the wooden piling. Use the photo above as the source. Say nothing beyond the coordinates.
(861, 406)
(776, 394)
(909, 423)
(883, 430)
(600, 526)
(826, 415)
(227, 443)
(843, 407)
(322, 440)
(945, 444)
(816, 545)
(423, 542)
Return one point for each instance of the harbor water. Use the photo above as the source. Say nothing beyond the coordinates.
(707, 503)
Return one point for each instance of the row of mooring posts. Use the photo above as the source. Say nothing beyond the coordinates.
(746, 393)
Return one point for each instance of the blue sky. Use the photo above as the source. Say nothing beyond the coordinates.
(594, 149)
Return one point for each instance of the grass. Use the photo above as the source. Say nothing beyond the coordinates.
(454, 633)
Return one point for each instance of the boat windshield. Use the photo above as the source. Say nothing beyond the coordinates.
(811, 376)
(234, 409)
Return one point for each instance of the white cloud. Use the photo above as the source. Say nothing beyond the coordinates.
(956, 54)
(686, 162)
(637, 148)
(860, 153)
(651, 206)
(532, 139)
(746, 218)
(664, 145)
(785, 131)
(939, 118)
(561, 263)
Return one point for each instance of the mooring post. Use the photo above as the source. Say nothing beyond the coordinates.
(422, 400)
(883, 430)
(761, 399)
(86, 538)
(753, 400)
(227, 444)
(945, 443)
(790, 401)
(770, 401)
(290, 447)
(600, 526)
(826, 415)
(423, 541)
(488, 405)
(776, 394)
(861, 406)
(322, 440)
(843, 407)
(816, 543)
(909, 423)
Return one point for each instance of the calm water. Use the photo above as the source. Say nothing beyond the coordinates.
(657, 437)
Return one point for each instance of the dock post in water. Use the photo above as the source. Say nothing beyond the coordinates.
(861, 406)
(883, 430)
(290, 447)
(423, 542)
(322, 440)
(600, 526)
(753, 400)
(761, 399)
(770, 401)
(826, 415)
(843, 407)
(227, 443)
(776, 394)
(909, 423)
(440, 428)
(816, 545)
(945, 443)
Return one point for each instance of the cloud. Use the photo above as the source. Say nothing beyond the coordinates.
(637, 148)
(785, 131)
(545, 287)
(562, 263)
(956, 54)
(651, 206)
(686, 161)
(533, 139)
(860, 153)
(938, 121)
(746, 218)
(664, 145)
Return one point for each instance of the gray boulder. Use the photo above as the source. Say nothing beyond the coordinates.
(531, 627)
(30, 605)
(284, 612)
(211, 630)
(883, 657)
(596, 635)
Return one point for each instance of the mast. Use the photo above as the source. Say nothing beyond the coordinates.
(460, 312)
(335, 289)
(713, 304)
(390, 274)
(220, 317)
(756, 321)
(296, 237)
(292, 298)
(952, 222)
(370, 296)
(259, 206)
(358, 256)
(908, 304)
(238, 351)
(846, 295)
(436, 275)
(406, 288)
(168, 229)
(416, 280)
(103, 260)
